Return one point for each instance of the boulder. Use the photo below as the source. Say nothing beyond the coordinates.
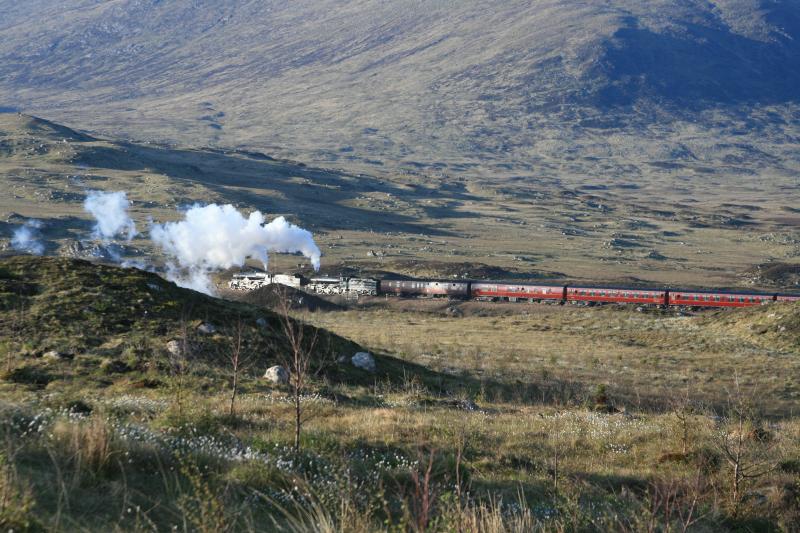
(206, 328)
(364, 361)
(174, 348)
(262, 322)
(277, 374)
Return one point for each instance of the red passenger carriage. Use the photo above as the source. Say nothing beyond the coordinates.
(514, 292)
(718, 299)
(616, 295)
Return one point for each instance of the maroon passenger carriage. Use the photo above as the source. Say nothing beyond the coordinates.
(616, 295)
(686, 298)
(514, 292)
(487, 290)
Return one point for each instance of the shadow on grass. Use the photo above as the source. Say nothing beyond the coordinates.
(467, 391)
(323, 195)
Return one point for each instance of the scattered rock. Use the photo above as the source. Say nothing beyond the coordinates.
(277, 374)
(206, 328)
(55, 355)
(454, 311)
(174, 348)
(364, 361)
(466, 405)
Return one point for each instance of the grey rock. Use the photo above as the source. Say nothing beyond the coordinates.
(364, 361)
(206, 328)
(174, 348)
(277, 374)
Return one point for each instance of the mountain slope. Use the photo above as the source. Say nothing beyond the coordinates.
(461, 86)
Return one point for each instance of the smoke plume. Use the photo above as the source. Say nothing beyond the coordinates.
(216, 237)
(110, 211)
(26, 238)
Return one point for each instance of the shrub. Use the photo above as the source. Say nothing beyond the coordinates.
(87, 444)
(79, 407)
(790, 466)
(114, 366)
(29, 375)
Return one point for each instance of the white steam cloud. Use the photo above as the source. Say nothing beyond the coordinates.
(26, 238)
(110, 211)
(216, 237)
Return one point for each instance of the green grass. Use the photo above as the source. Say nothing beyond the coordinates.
(559, 354)
(88, 444)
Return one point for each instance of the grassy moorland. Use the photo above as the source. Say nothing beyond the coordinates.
(107, 432)
(421, 225)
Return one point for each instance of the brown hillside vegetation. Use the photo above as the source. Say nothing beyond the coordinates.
(538, 430)
(105, 315)
(774, 326)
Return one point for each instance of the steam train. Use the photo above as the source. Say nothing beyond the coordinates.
(514, 292)
(483, 290)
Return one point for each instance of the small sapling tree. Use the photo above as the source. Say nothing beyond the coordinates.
(237, 356)
(302, 354)
(745, 446)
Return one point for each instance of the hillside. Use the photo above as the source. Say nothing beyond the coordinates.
(775, 327)
(548, 89)
(97, 318)
(411, 224)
